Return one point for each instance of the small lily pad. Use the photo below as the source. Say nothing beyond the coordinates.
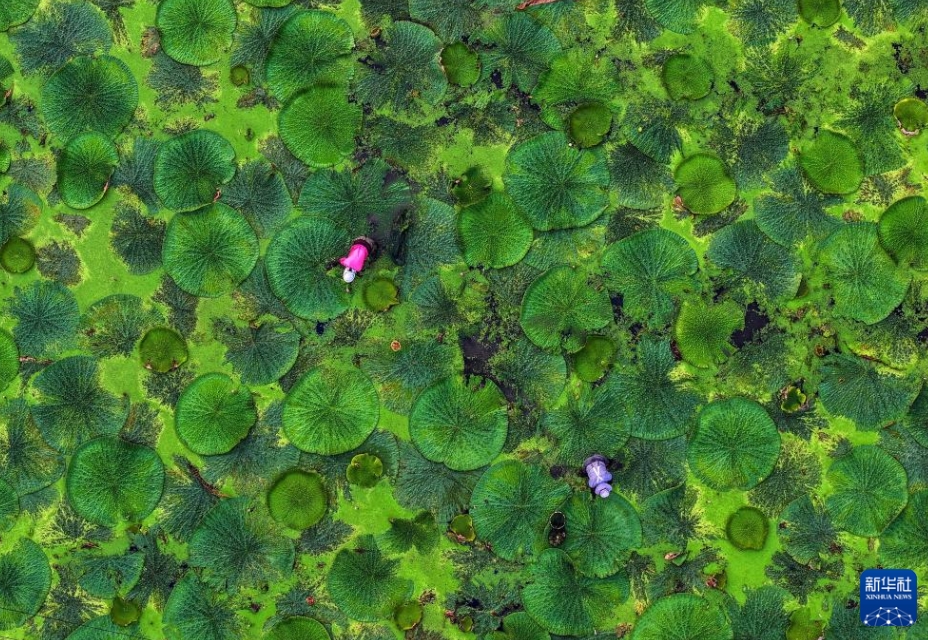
(17, 255)
(380, 294)
(912, 115)
(747, 529)
(594, 359)
(162, 350)
(462, 525)
(408, 615)
(589, 124)
(365, 470)
(472, 187)
(461, 65)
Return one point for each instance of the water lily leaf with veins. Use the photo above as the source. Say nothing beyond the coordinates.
(25, 580)
(560, 308)
(196, 32)
(683, 616)
(191, 168)
(364, 584)
(867, 284)
(869, 489)
(511, 505)
(209, 252)
(84, 169)
(735, 445)
(331, 411)
(565, 602)
(556, 185)
(650, 269)
(90, 94)
(311, 48)
(463, 426)
(94, 495)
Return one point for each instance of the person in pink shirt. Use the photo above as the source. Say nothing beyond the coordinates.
(357, 256)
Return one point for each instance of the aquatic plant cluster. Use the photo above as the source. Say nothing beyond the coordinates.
(629, 341)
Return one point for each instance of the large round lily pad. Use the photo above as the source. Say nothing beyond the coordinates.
(683, 616)
(90, 94)
(821, 13)
(657, 406)
(866, 284)
(311, 48)
(91, 489)
(651, 269)
(25, 580)
(869, 396)
(297, 499)
(494, 233)
(213, 414)
(191, 168)
(72, 405)
(364, 584)
(463, 426)
(903, 231)
(211, 251)
(602, 532)
(16, 12)
(832, 163)
(592, 421)
(565, 602)
(196, 32)
(557, 186)
(331, 411)
(703, 331)
(704, 184)
(511, 505)
(561, 307)
(868, 490)
(904, 543)
(84, 169)
(686, 76)
(297, 260)
(298, 628)
(735, 444)
(319, 125)
(236, 546)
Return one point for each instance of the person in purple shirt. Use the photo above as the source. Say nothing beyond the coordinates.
(598, 476)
